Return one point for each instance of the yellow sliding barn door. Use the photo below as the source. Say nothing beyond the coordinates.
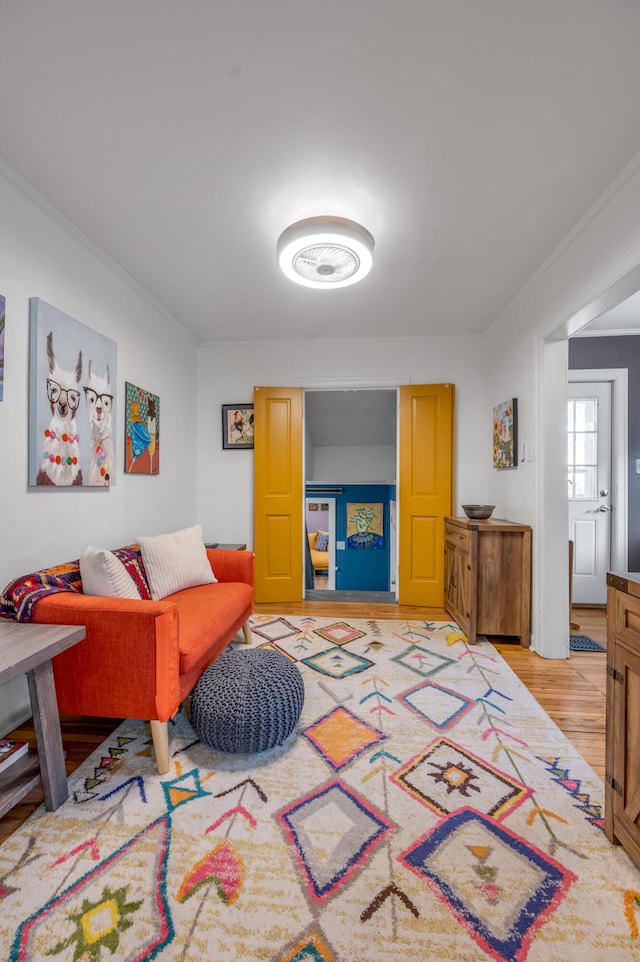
(278, 496)
(425, 490)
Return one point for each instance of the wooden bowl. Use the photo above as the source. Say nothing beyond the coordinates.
(478, 512)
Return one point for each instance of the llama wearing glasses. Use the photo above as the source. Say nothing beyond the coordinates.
(99, 401)
(61, 450)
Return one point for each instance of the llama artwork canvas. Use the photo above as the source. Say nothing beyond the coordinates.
(72, 371)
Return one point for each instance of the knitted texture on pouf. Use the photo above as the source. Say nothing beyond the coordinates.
(247, 700)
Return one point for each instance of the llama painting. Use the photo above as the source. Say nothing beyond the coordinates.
(71, 399)
(60, 463)
(97, 393)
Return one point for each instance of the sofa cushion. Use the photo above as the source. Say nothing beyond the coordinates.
(322, 541)
(175, 561)
(206, 616)
(105, 575)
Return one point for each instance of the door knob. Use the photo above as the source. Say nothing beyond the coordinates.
(605, 507)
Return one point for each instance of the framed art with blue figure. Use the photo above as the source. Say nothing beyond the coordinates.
(142, 431)
(365, 525)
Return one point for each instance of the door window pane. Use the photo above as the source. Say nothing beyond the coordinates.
(582, 448)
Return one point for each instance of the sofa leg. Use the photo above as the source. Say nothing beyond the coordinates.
(246, 630)
(160, 735)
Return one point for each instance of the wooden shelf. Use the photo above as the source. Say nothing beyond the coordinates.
(18, 779)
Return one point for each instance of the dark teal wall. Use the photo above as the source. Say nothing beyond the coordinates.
(361, 569)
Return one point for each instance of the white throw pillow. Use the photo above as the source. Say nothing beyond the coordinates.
(104, 575)
(175, 561)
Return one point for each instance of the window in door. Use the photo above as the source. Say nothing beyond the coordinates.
(582, 455)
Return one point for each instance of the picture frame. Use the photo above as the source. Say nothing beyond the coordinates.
(237, 426)
(505, 434)
(141, 430)
(72, 401)
(365, 525)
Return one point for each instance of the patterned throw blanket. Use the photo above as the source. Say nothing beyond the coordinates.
(19, 597)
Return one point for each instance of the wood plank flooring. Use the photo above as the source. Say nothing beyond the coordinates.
(572, 691)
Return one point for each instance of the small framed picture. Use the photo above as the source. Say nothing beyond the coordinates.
(505, 434)
(237, 426)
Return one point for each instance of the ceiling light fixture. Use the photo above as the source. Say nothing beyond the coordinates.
(325, 252)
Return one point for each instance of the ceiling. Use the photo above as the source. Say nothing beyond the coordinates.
(181, 138)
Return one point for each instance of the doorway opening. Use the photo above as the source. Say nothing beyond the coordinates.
(350, 470)
(597, 417)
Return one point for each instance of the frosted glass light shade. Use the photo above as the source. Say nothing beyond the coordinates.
(325, 252)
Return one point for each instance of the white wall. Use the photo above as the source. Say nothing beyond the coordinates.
(528, 359)
(228, 373)
(355, 464)
(40, 527)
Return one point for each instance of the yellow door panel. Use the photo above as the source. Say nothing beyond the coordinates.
(278, 494)
(424, 539)
(425, 494)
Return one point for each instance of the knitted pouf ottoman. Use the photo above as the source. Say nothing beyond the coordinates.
(247, 700)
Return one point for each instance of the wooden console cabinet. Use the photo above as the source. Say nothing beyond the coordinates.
(622, 763)
(487, 588)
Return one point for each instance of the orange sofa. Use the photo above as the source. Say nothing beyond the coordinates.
(141, 658)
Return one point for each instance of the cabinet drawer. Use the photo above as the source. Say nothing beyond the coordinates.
(457, 536)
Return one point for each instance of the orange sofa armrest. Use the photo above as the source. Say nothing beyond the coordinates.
(128, 664)
(232, 565)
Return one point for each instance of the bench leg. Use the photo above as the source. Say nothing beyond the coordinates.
(246, 630)
(160, 735)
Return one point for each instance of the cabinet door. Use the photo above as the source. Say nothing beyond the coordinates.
(458, 580)
(624, 787)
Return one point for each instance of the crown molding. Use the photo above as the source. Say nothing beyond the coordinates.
(605, 197)
(28, 191)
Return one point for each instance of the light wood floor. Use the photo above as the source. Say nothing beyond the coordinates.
(572, 691)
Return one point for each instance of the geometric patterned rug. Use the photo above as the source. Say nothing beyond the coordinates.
(426, 808)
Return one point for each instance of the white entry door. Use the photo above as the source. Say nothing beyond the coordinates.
(589, 488)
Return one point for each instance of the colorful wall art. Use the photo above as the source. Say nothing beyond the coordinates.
(505, 434)
(142, 431)
(365, 525)
(72, 382)
(2, 313)
(237, 425)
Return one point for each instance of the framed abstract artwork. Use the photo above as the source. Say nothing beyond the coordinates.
(237, 426)
(2, 305)
(365, 525)
(142, 431)
(505, 434)
(72, 387)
